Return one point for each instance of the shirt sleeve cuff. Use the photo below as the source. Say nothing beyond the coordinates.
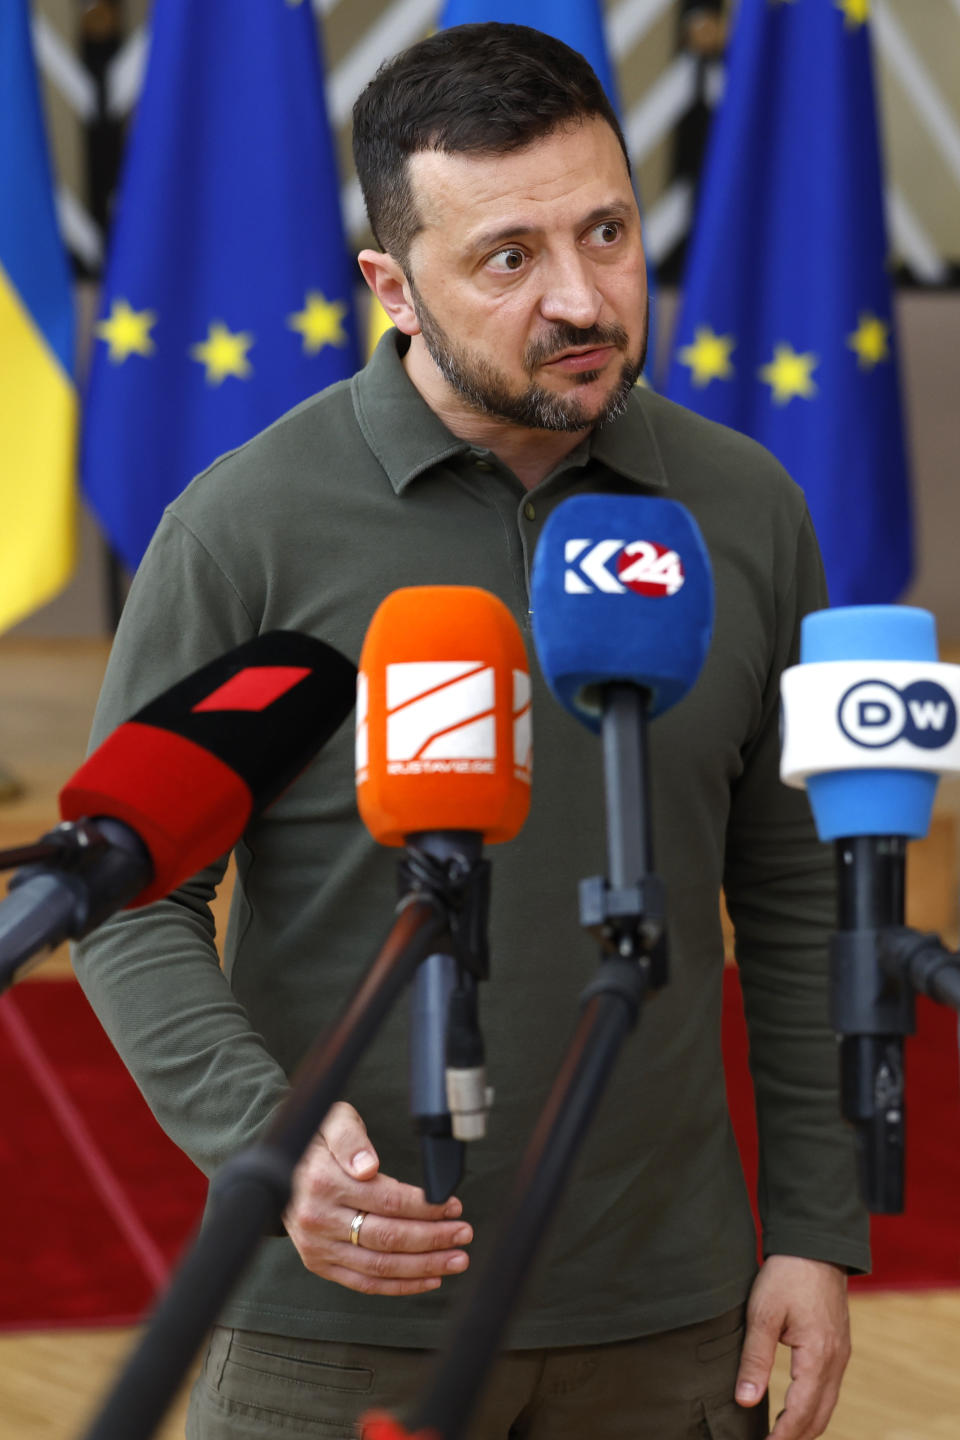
(851, 1255)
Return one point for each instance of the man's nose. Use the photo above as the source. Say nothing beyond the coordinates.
(570, 293)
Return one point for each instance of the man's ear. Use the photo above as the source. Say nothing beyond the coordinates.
(389, 285)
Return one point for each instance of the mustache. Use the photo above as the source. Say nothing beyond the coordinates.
(565, 337)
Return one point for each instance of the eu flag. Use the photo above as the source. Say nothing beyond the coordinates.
(38, 403)
(228, 295)
(786, 330)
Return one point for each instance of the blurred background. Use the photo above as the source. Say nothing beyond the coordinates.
(668, 59)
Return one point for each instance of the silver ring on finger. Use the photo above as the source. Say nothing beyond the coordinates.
(355, 1224)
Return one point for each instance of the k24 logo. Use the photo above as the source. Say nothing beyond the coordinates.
(615, 567)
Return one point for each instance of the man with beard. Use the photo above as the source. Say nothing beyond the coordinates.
(511, 262)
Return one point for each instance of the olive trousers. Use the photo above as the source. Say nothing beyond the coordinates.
(674, 1386)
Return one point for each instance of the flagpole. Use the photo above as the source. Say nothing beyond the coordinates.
(102, 30)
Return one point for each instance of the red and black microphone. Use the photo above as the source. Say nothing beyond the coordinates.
(173, 788)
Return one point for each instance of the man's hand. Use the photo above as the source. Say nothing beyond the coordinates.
(803, 1304)
(404, 1246)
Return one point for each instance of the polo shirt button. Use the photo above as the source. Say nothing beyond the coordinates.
(530, 511)
(484, 465)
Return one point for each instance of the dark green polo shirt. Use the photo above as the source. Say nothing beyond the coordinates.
(308, 526)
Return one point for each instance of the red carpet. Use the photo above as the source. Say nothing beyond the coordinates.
(96, 1203)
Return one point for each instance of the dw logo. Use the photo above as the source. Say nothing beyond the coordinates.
(642, 566)
(873, 714)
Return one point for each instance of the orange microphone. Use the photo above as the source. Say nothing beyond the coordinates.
(443, 716)
(443, 756)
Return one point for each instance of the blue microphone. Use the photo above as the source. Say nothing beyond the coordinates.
(869, 724)
(622, 596)
(622, 590)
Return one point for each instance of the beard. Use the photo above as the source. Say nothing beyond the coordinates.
(487, 390)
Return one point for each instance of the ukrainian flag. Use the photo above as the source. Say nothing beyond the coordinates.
(38, 408)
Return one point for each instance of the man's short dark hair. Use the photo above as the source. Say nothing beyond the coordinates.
(474, 89)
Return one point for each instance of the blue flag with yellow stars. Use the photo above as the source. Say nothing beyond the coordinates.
(228, 294)
(786, 330)
(38, 401)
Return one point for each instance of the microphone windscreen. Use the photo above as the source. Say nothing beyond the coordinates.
(189, 770)
(869, 720)
(443, 716)
(621, 590)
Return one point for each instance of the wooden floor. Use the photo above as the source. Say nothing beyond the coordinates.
(904, 1379)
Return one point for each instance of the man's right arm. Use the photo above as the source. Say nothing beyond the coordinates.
(154, 979)
(153, 975)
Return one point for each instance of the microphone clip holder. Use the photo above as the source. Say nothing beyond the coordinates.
(922, 964)
(68, 883)
(627, 920)
(71, 845)
(869, 998)
(459, 889)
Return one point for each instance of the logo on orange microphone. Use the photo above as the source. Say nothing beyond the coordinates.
(441, 720)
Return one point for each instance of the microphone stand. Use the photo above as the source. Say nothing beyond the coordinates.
(878, 964)
(626, 914)
(249, 1194)
(69, 882)
(448, 1089)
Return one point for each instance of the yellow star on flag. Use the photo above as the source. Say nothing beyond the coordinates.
(127, 331)
(871, 341)
(790, 374)
(320, 322)
(224, 353)
(708, 357)
(855, 12)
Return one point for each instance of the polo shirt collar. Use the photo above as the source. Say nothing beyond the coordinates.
(404, 434)
(629, 446)
(408, 439)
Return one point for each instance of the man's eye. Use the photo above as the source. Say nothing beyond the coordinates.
(506, 261)
(607, 232)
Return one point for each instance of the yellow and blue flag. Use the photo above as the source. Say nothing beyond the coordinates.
(787, 328)
(229, 290)
(38, 405)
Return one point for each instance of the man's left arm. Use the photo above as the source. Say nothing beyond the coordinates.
(780, 890)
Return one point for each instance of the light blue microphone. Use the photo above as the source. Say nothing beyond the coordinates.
(869, 724)
(870, 720)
